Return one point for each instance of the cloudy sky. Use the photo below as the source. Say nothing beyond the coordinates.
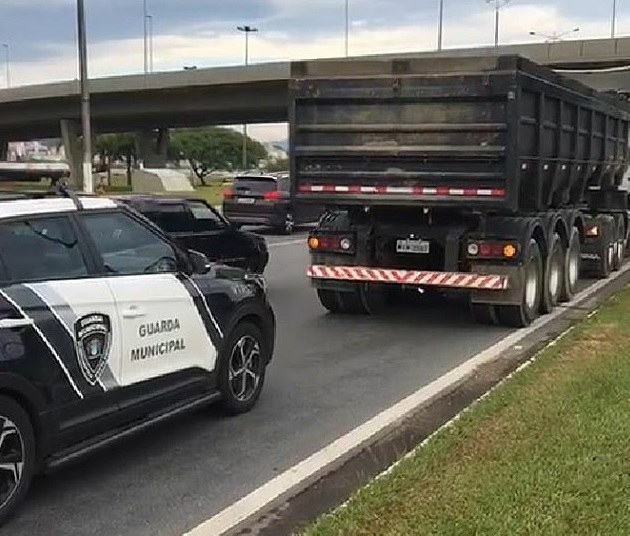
(42, 33)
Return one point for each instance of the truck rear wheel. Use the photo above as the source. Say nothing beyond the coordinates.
(484, 313)
(554, 275)
(571, 267)
(519, 316)
(329, 300)
(620, 245)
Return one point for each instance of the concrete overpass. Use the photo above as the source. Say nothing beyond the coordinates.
(232, 95)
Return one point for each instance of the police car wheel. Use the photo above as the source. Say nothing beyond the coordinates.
(17, 456)
(242, 368)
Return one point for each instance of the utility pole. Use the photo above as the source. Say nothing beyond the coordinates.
(613, 23)
(246, 30)
(88, 182)
(440, 25)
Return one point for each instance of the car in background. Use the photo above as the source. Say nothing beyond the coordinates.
(266, 200)
(195, 224)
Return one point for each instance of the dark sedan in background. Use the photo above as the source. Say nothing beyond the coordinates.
(194, 224)
(266, 200)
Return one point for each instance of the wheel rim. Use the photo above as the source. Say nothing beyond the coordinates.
(573, 268)
(11, 459)
(289, 223)
(531, 288)
(611, 254)
(554, 277)
(244, 371)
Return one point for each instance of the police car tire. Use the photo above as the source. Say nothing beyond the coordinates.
(15, 413)
(230, 403)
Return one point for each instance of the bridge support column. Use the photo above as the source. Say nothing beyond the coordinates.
(4, 150)
(152, 147)
(72, 148)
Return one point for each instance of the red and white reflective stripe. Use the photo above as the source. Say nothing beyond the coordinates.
(442, 191)
(410, 277)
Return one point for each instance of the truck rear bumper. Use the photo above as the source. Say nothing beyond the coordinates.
(457, 280)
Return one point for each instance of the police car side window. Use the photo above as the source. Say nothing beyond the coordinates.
(128, 247)
(40, 249)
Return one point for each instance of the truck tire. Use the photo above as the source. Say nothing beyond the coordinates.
(329, 300)
(484, 313)
(554, 275)
(620, 245)
(18, 445)
(522, 315)
(351, 303)
(571, 268)
(375, 299)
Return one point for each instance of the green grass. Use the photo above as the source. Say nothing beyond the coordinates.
(548, 453)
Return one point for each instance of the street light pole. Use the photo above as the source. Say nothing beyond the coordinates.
(347, 28)
(150, 33)
(246, 30)
(146, 37)
(613, 23)
(88, 184)
(497, 4)
(7, 62)
(440, 25)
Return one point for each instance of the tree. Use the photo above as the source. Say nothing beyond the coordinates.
(120, 146)
(276, 166)
(210, 148)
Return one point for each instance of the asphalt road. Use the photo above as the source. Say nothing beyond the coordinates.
(329, 374)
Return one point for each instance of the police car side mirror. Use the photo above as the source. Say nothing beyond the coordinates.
(199, 262)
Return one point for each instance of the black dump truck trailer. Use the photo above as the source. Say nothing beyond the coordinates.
(490, 175)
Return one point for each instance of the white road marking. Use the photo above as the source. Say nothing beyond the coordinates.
(287, 243)
(308, 471)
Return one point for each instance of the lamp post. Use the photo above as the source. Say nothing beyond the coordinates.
(246, 30)
(88, 183)
(7, 63)
(497, 5)
(347, 28)
(440, 25)
(145, 18)
(554, 37)
(613, 22)
(149, 19)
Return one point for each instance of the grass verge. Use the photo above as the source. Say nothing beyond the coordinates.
(548, 452)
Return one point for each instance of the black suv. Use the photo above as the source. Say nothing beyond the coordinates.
(267, 200)
(194, 224)
(106, 327)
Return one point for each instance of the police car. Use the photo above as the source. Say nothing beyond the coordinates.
(107, 327)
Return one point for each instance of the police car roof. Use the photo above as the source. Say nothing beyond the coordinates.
(14, 204)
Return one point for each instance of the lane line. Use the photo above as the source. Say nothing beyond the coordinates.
(308, 471)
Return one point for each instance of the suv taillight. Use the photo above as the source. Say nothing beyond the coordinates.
(272, 196)
(228, 193)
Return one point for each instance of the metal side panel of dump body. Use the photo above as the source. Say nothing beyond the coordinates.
(486, 133)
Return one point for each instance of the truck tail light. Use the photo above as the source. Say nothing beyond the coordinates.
(228, 193)
(331, 243)
(272, 196)
(492, 250)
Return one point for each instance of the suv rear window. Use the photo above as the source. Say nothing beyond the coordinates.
(254, 185)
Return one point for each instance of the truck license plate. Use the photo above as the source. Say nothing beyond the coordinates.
(409, 245)
(246, 200)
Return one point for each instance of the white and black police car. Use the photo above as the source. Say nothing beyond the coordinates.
(107, 327)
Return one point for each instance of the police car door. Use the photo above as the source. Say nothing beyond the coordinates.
(162, 332)
(61, 317)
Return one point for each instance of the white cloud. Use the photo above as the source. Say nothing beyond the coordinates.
(172, 52)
